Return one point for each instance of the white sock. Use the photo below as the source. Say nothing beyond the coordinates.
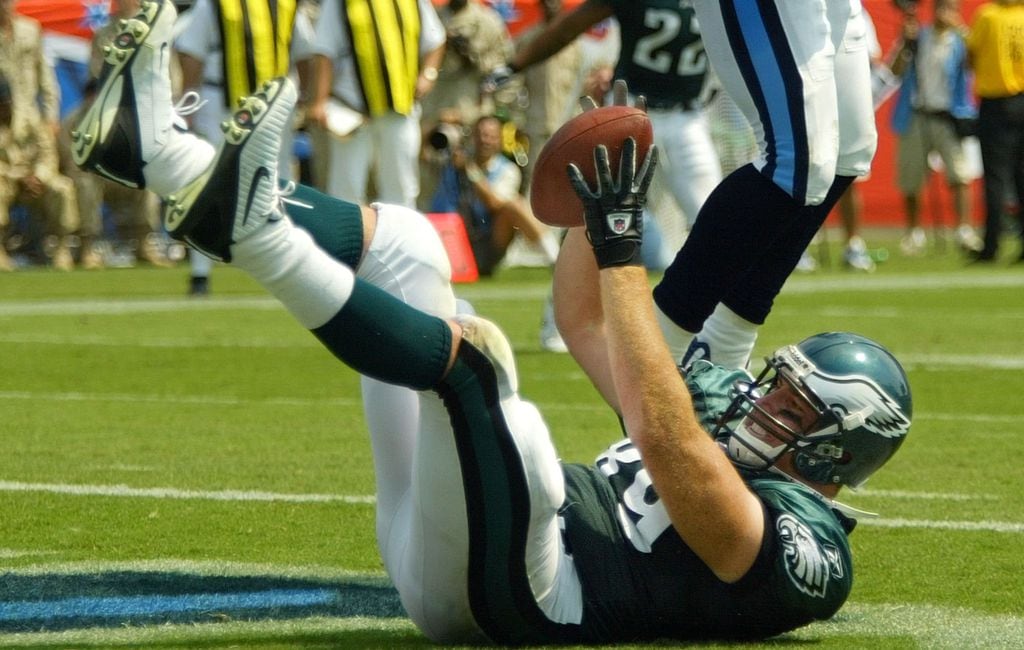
(200, 264)
(181, 160)
(677, 338)
(287, 262)
(730, 338)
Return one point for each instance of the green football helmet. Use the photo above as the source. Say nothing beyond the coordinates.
(859, 392)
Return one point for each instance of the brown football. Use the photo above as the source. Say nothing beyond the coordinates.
(551, 195)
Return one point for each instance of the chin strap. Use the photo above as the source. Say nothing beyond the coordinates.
(850, 511)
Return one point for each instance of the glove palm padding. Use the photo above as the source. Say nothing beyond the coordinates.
(613, 211)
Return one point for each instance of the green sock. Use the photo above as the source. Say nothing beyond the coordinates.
(380, 336)
(336, 225)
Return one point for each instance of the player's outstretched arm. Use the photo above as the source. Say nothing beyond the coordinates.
(707, 502)
(577, 296)
(556, 35)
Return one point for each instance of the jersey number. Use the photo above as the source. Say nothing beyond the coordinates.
(641, 515)
(650, 50)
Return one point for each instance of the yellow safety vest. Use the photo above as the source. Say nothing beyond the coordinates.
(256, 36)
(386, 42)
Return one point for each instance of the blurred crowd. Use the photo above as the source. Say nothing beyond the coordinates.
(439, 107)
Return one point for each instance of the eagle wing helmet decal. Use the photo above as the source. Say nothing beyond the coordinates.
(862, 399)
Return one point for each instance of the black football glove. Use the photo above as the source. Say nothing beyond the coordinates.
(614, 210)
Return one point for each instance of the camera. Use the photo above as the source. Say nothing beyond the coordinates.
(445, 137)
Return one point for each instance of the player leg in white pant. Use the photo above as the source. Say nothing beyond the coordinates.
(688, 162)
(230, 211)
(396, 148)
(349, 163)
(421, 511)
(858, 137)
(795, 118)
(405, 257)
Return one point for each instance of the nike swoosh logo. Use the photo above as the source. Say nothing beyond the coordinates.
(261, 174)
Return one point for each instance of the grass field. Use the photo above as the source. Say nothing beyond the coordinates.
(195, 473)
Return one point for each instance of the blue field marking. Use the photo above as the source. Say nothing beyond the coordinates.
(148, 606)
(61, 601)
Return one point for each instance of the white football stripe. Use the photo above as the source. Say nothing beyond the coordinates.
(173, 399)
(489, 292)
(254, 495)
(175, 493)
(970, 526)
(140, 306)
(928, 496)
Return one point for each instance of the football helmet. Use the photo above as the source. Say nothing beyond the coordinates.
(856, 403)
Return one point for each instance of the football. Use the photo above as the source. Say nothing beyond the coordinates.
(552, 198)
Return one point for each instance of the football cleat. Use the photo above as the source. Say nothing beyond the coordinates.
(488, 338)
(127, 123)
(237, 192)
(856, 256)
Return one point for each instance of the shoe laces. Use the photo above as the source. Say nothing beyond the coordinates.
(186, 105)
(284, 197)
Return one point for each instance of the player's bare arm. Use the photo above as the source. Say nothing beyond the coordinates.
(706, 500)
(578, 313)
(559, 33)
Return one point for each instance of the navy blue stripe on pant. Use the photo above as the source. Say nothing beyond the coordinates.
(762, 52)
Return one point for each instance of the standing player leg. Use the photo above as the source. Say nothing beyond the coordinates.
(777, 61)
(396, 150)
(753, 296)
(687, 156)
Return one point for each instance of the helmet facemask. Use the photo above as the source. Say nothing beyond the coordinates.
(775, 414)
(839, 402)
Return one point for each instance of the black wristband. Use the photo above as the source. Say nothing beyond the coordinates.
(624, 252)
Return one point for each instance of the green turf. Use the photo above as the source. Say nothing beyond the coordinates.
(114, 378)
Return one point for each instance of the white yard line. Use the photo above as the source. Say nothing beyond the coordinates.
(176, 493)
(933, 524)
(491, 291)
(926, 496)
(126, 491)
(56, 397)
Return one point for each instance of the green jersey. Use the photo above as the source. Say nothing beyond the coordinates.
(640, 581)
(662, 55)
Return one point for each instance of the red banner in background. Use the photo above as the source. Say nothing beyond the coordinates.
(883, 204)
(79, 18)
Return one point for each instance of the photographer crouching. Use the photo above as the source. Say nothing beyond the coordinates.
(482, 185)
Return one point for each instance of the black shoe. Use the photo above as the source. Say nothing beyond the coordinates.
(981, 257)
(237, 193)
(198, 286)
(120, 132)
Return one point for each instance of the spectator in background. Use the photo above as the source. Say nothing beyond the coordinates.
(936, 90)
(550, 86)
(851, 204)
(29, 176)
(33, 84)
(477, 42)
(995, 44)
(482, 185)
(372, 64)
(135, 211)
(228, 49)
